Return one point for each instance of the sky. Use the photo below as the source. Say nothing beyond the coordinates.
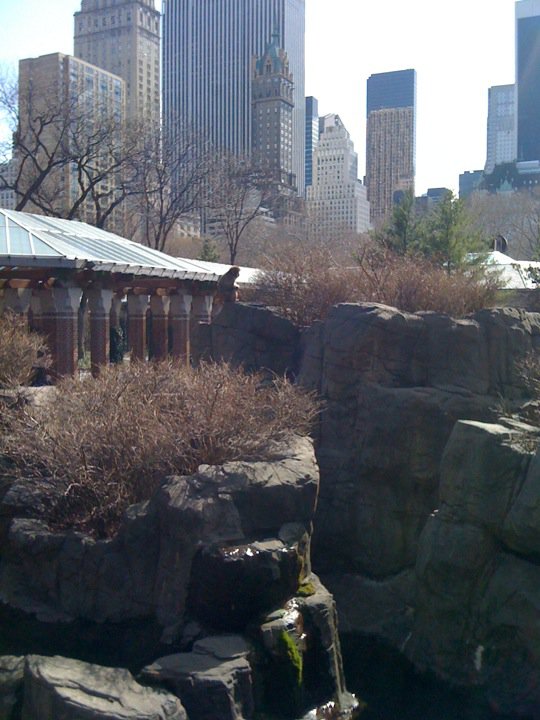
(459, 49)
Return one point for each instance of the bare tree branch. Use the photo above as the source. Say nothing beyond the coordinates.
(240, 193)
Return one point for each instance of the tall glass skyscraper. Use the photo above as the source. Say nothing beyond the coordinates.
(312, 135)
(501, 126)
(390, 139)
(208, 51)
(528, 79)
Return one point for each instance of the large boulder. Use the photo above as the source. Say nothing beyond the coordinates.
(56, 687)
(214, 680)
(249, 336)
(477, 617)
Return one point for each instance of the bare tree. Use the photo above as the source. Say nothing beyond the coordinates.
(66, 158)
(514, 215)
(36, 148)
(170, 181)
(240, 193)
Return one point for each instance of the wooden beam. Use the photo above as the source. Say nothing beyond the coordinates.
(20, 284)
(25, 274)
(151, 284)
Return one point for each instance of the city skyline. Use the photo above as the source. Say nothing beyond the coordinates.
(208, 54)
(458, 55)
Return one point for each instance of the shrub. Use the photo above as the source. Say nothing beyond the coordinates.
(110, 441)
(20, 351)
(312, 283)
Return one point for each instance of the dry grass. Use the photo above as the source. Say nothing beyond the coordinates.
(304, 286)
(20, 351)
(110, 441)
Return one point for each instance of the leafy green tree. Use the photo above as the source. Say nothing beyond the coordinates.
(400, 233)
(447, 235)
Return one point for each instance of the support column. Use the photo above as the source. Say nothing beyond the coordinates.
(17, 300)
(116, 308)
(116, 332)
(159, 305)
(99, 302)
(48, 322)
(137, 306)
(202, 308)
(66, 302)
(37, 311)
(179, 313)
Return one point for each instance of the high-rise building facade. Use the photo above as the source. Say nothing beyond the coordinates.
(469, 182)
(390, 139)
(123, 37)
(336, 199)
(208, 50)
(272, 115)
(501, 126)
(312, 135)
(63, 103)
(8, 175)
(528, 79)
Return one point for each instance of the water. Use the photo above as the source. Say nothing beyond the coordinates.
(393, 690)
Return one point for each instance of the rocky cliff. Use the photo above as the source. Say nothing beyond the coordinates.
(206, 593)
(425, 529)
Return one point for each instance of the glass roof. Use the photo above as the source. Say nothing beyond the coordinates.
(53, 242)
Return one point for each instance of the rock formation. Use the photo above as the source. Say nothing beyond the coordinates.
(439, 560)
(224, 551)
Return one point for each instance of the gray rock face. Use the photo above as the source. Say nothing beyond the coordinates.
(214, 681)
(233, 585)
(477, 618)
(440, 563)
(146, 570)
(57, 688)
(11, 680)
(208, 553)
(251, 336)
(394, 385)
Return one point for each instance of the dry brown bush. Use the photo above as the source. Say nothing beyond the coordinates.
(19, 351)
(110, 441)
(304, 286)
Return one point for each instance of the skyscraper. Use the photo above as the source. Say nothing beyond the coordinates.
(469, 181)
(272, 115)
(501, 126)
(122, 36)
(208, 50)
(312, 135)
(64, 102)
(390, 138)
(528, 79)
(336, 199)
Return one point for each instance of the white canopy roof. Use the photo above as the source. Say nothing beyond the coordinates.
(38, 241)
(513, 273)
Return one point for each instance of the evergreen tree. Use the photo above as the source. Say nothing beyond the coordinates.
(447, 236)
(209, 251)
(400, 233)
